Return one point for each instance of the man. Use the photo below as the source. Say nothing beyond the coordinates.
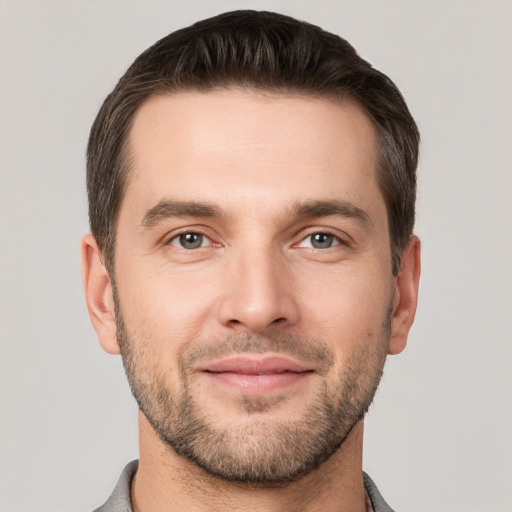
(251, 186)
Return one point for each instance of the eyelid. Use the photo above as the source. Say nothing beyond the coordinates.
(177, 245)
(341, 237)
(336, 242)
(199, 230)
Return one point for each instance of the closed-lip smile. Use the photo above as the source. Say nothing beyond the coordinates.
(256, 373)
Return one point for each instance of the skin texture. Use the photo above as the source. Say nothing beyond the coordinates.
(294, 262)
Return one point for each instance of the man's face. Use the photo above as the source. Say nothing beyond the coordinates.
(253, 273)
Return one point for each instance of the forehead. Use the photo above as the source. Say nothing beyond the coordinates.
(235, 145)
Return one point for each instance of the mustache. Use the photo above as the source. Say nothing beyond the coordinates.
(307, 350)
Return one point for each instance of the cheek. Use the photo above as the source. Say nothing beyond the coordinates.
(161, 318)
(346, 307)
(168, 307)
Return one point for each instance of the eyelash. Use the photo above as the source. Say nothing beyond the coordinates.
(178, 238)
(335, 240)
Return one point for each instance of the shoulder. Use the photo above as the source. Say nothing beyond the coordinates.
(378, 502)
(119, 500)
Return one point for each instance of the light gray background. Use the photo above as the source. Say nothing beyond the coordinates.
(439, 437)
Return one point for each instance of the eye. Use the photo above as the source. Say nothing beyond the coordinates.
(190, 240)
(320, 241)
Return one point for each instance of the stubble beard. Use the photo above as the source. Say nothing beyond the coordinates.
(262, 451)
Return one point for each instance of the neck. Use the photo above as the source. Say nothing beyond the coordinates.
(166, 481)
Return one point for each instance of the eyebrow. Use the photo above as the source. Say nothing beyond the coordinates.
(168, 208)
(338, 208)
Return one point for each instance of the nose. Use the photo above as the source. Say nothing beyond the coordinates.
(259, 293)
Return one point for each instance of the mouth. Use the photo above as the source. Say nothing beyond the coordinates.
(256, 374)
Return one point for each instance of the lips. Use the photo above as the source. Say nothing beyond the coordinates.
(256, 374)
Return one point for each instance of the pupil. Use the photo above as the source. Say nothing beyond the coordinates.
(191, 240)
(321, 240)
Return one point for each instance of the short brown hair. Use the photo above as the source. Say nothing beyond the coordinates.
(264, 51)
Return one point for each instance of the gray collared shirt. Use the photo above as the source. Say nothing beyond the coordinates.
(119, 500)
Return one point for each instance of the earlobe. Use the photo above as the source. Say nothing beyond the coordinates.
(98, 294)
(406, 296)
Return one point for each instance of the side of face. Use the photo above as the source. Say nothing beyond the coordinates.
(253, 274)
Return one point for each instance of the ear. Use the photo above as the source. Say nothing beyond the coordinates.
(406, 296)
(98, 294)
